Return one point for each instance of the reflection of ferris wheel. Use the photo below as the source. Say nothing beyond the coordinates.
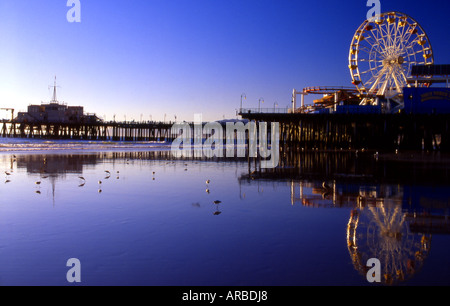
(381, 232)
(383, 51)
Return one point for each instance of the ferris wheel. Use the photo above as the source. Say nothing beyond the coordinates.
(382, 53)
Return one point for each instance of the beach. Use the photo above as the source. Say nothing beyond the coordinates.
(136, 215)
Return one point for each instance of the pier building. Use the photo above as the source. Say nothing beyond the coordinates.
(55, 112)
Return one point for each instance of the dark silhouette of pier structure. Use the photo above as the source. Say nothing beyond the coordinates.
(112, 131)
(381, 132)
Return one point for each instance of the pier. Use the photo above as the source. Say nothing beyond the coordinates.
(114, 131)
(383, 132)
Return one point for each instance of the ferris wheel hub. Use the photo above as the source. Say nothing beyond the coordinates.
(393, 61)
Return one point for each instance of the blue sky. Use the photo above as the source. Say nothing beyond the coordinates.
(183, 57)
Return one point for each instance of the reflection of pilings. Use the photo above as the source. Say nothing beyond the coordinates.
(61, 164)
(360, 166)
(427, 223)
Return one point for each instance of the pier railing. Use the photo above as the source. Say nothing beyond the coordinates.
(273, 110)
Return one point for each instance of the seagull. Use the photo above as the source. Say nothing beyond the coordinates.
(207, 182)
(217, 202)
(81, 178)
(38, 183)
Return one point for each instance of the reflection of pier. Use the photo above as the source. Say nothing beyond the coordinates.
(359, 167)
(314, 194)
(428, 223)
(396, 204)
(60, 164)
(54, 164)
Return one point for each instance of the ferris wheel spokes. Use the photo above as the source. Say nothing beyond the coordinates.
(383, 52)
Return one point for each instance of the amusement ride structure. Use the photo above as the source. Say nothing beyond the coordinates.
(383, 52)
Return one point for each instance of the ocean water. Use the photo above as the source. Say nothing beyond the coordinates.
(139, 216)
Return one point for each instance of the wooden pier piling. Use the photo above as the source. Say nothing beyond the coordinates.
(113, 131)
(381, 132)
